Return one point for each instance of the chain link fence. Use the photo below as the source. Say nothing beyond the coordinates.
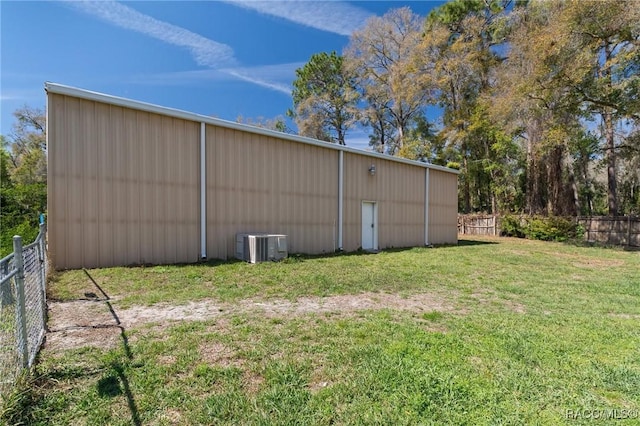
(23, 307)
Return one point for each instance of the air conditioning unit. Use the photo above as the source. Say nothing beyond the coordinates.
(256, 248)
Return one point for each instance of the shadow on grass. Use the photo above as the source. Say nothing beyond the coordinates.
(466, 242)
(109, 386)
(112, 385)
(594, 244)
(292, 259)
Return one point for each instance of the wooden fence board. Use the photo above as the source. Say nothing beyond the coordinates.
(619, 230)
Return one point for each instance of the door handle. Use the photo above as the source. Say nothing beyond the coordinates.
(372, 225)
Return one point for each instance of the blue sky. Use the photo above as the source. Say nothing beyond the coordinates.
(220, 58)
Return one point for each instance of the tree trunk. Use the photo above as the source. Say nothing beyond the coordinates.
(530, 178)
(556, 204)
(466, 189)
(492, 180)
(340, 135)
(400, 143)
(612, 197)
(383, 140)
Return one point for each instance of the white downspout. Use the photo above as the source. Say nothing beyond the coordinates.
(203, 191)
(426, 207)
(340, 197)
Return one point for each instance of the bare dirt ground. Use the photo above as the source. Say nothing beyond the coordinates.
(99, 323)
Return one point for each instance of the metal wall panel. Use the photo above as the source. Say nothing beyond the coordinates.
(123, 185)
(257, 183)
(398, 190)
(124, 188)
(443, 207)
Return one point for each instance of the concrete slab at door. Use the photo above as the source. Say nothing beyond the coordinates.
(369, 225)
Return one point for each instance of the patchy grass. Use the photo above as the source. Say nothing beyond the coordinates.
(538, 329)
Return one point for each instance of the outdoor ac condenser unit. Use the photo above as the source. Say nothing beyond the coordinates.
(256, 248)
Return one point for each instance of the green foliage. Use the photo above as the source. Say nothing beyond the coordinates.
(544, 228)
(324, 98)
(517, 83)
(512, 226)
(23, 179)
(550, 228)
(20, 205)
(15, 405)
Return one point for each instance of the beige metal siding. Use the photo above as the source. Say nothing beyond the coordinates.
(124, 188)
(257, 183)
(123, 185)
(443, 207)
(398, 189)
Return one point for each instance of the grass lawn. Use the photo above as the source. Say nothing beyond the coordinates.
(493, 331)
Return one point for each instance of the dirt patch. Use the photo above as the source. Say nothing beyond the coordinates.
(488, 297)
(625, 316)
(252, 382)
(81, 323)
(352, 303)
(219, 354)
(61, 340)
(96, 323)
(514, 306)
(171, 416)
(166, 360)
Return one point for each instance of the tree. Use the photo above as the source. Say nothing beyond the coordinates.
(324, 98)
(380, 55)
(607, 80)
(278, 123)
(531, 105)
(23, 178)
(572, 63)
(28, 147)
(457, 53)
(423, 144)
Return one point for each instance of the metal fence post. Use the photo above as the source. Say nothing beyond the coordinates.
(42, 257)
(21, 309)
(6, 296)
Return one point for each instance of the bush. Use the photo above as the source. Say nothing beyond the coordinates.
(511, 226)
(550, 228)
(545, 228)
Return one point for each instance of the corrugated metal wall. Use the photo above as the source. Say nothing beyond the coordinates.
(398, 191)
(123, 185)
(257, 183)
(124, 188)
(443, 207)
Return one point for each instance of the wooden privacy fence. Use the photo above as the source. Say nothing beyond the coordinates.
(618, 230)
(478, 225)
(621, 230)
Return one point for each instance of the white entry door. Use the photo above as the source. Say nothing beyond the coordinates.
(369, 226)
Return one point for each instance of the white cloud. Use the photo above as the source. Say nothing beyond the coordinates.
(218, 57)
(206, 52)
(275, 77)
(242, 75)
(331, 16)
(179, 78)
